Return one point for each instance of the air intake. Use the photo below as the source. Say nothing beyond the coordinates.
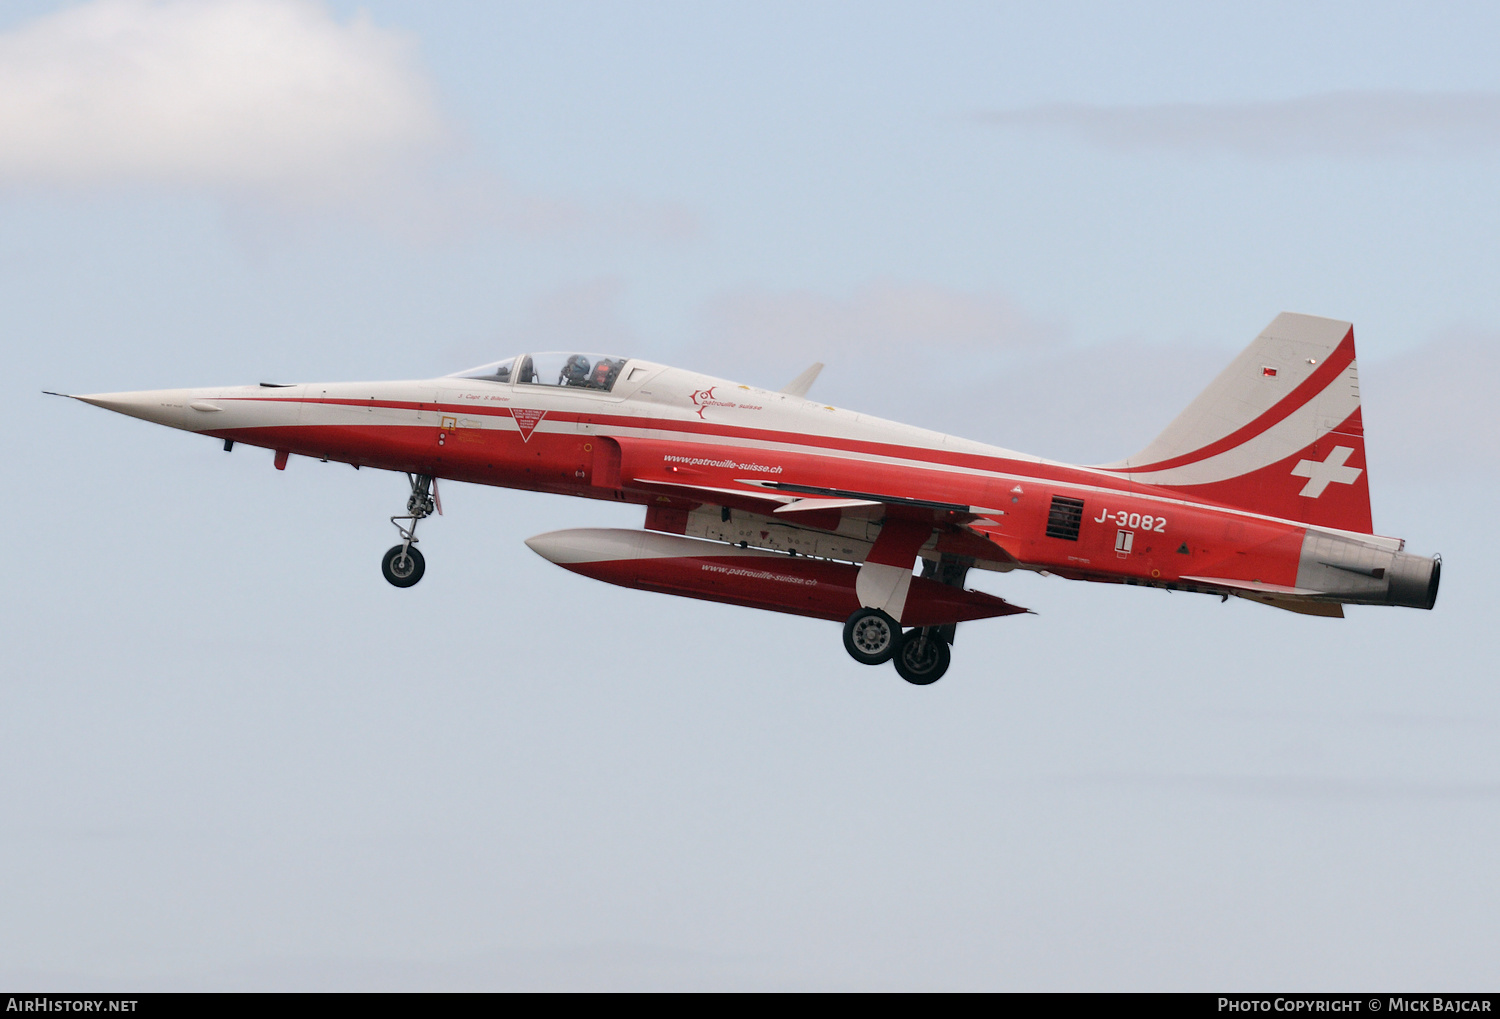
(1064, 517)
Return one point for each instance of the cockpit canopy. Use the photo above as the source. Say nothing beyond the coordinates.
(553, 368)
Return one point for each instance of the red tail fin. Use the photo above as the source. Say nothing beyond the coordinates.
(1278, 432)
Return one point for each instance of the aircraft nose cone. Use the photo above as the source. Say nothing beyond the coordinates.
(177, 408)
(134, 404)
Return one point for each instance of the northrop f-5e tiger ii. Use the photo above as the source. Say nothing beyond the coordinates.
(770, 500)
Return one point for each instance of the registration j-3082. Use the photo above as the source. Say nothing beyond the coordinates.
(1133, 521)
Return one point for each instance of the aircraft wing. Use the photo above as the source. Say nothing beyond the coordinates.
(749, 479)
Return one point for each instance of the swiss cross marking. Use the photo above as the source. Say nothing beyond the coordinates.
(1320, 475)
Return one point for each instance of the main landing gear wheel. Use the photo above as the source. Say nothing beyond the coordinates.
(871, 636)
(403, 565)
(922, 657)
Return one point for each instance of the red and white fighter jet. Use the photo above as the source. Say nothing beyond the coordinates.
(767, 499)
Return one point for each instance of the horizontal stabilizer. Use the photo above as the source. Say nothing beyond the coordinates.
(1278, 596)
(1302, 606)
(1254, 586)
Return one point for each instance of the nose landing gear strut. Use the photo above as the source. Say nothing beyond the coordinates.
(403, 565)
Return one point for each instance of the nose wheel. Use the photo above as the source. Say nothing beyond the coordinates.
(403, 565)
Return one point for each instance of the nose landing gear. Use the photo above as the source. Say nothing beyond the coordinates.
(403, 565)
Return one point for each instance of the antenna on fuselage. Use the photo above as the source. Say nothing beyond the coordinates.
(802, 383)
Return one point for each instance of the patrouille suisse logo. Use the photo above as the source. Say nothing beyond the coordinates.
(705, 398)
(527, 420)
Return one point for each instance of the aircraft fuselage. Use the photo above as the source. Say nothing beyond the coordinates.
(1273, 508)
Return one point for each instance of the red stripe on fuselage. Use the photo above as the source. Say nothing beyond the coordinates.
(691, 430)
(492, 461)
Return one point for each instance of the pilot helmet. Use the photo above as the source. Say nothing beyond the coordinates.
(576, 371)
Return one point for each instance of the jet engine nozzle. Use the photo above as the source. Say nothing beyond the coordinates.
(1414, 580)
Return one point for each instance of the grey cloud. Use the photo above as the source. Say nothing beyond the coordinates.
(1303, 787)
(585, 315)
(883, 317)
(1349, 124)
(1067, 401)
(1430, 412)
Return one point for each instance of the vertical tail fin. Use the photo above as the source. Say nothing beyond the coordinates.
(1278, 432)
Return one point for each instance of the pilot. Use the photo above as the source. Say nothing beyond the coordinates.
(575, 372)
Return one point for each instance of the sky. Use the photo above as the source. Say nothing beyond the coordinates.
(234, 758)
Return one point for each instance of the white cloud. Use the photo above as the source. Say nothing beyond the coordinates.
(267, 100)
(1349, 124)
(883, 317)
(248, 95)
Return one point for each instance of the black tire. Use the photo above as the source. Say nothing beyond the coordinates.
(871, 637)
(922, 662)
(403, 567)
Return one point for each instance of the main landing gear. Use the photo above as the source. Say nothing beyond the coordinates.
(403, 565)
(871, 637)
(921, 654)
